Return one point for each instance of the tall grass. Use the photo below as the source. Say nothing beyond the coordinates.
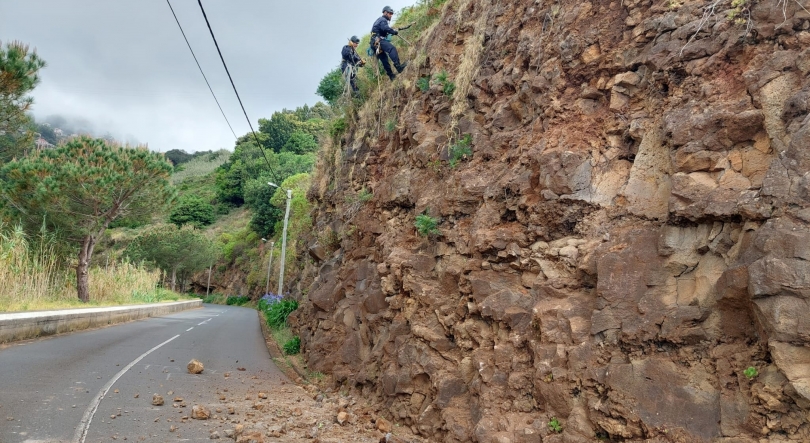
(29, 273)
(35, 276)
(121, 283)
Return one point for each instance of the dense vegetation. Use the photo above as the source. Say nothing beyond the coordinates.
(165, 217)
(219, 210)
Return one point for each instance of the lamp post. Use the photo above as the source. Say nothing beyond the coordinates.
(269, 266)
(208, 285)
(283, 239)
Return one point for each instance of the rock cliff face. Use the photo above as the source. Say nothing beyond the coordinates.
(629, 235)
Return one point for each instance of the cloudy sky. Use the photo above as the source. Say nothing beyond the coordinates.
(124, 66)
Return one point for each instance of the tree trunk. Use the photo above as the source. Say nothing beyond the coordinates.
(174, 276)
(82, 269)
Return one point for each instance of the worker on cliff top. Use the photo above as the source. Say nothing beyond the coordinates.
(381, 33)
(351, 61)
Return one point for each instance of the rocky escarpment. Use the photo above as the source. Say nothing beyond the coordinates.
(630, 234)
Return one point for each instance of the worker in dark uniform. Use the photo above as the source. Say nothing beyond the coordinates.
(380, 44)
(351, 61)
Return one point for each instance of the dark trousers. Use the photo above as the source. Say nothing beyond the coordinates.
(389, 50)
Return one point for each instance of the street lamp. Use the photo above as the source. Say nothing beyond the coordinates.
(283, 239)
(269, 266)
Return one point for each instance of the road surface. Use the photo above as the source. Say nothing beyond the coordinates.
(95, 386)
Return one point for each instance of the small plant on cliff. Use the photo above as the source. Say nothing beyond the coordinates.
(448, 88)
(329, 239)
(751, 372)
(338, 128)
(460, 150)
(435, 165)
(364, 195)
(739, 13)
(426, 225)
(423, 83)
(293, 346)
(390, 125)
(555, 425)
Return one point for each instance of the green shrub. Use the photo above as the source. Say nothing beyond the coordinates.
(237, 300)
(448, 88)
(442, 79)
(293, 346)
(364, 195)
(427, 225)
(192, 210)
(331, 86)
(459, 150)
(211, 298)
(555, 425)
(278, 312)
(423, 83)
(338, 128)
(751, 372)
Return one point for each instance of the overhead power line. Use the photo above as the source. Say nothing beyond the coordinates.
(235, 91)
(201, 70)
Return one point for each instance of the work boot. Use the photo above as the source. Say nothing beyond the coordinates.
(401, 67)
(392, 76)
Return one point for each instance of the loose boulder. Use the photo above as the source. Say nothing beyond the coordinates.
(195, 366)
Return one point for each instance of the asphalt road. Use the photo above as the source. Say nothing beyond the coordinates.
(68, 388)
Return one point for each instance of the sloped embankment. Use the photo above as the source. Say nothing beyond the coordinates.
(629, 235)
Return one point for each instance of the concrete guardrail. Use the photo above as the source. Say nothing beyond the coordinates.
(24, 325)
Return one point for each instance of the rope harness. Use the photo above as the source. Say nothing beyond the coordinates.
(351, 72)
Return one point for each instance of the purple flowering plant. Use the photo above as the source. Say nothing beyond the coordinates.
(268, 300)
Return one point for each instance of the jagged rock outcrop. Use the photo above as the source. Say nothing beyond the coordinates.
(630, 234)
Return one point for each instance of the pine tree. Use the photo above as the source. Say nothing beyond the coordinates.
(19, 69)
(79, 188)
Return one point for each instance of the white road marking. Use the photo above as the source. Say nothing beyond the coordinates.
(84, 425)
(189, 328)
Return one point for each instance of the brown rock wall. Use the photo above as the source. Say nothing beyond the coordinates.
(629, 235)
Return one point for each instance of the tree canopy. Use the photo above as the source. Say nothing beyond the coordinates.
(300, 143)
(331, 86)
(192, 210)
(19, 75)
(79, 188)
(174, 250)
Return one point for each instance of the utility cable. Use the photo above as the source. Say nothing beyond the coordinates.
(201, 70)
(235, 91)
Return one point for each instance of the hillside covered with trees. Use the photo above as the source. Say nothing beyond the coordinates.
(82, 212)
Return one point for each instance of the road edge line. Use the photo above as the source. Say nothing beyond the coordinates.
(84, 425)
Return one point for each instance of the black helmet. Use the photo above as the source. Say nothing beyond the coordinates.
(388, 9)
(354, 39)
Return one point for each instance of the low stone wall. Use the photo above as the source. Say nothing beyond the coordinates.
(25, 325)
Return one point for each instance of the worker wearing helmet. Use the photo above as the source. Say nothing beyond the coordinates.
(351, 61)
(380, 44)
